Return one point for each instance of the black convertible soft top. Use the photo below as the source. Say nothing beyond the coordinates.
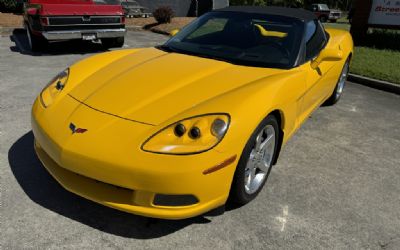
(301, 14)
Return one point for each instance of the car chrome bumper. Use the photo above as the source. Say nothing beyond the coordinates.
(78, 34)
(334, 17)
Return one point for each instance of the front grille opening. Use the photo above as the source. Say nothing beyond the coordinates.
(74, 20)
(174, 200)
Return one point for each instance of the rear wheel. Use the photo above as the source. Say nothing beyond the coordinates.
(256, 162)
(337, 93)
(116, 42)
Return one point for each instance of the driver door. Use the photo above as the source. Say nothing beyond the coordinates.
(317, 87)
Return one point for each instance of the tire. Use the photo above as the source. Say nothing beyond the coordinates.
(323, 19)
(35, 43)
(116, 42)
(338, 91)
(245, 187)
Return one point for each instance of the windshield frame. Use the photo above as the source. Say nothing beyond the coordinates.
(296, 57)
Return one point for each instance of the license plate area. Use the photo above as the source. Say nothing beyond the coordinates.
(89, 36)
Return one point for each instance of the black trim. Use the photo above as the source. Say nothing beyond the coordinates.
(83, 20)
(174, 200)
(82, 27)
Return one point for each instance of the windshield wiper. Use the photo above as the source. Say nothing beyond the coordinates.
(167, 48)
(211, 57)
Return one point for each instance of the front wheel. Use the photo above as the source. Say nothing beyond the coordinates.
(337, 93)
(323, 19)
(256, 162)
(35, 43)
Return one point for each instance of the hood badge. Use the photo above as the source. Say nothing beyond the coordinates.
(74, 129)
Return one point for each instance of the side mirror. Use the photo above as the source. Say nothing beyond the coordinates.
(173, 32)
(327, 55)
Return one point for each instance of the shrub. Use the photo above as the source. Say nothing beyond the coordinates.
(163, 14)
(11, 5)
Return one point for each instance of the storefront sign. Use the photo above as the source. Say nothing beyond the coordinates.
(385, 12)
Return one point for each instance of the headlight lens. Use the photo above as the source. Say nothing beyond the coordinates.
(53, 88)
(189, 136)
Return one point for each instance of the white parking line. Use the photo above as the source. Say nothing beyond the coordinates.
(283, 219)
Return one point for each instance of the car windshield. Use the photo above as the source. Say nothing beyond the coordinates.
(323, 7)
(241, 38)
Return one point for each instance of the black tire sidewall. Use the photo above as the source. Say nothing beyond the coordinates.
(237, 193)
(36, 43)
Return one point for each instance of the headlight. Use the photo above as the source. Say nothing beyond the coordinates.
(53, 88)
(189, 136)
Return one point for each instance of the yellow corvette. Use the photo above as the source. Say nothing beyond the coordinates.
(174, 131)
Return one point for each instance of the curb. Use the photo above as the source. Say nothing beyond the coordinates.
(374, 83)
(134, 28)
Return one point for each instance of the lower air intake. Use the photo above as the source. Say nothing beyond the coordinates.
(174, 200)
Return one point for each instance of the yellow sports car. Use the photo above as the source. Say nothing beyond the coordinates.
(174, 131)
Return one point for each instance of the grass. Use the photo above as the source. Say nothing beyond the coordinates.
(338, 25)
(377, 63)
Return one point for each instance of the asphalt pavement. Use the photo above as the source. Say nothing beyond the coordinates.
(336, 184)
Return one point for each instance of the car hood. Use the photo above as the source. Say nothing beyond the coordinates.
(152, 86)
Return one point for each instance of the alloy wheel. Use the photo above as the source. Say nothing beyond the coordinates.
(260, 160)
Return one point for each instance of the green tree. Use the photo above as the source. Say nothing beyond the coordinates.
(8, 5)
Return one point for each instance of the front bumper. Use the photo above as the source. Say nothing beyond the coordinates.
(334, 17)
(79, 34)
(112, 170)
